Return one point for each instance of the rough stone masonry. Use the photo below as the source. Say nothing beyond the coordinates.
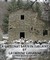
(25, 24)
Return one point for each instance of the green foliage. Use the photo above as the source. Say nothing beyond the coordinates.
(37, 9)
(37, 6)
(27, 5)
(19, 5)
(15, 5)
(5, 24)
(12, 6)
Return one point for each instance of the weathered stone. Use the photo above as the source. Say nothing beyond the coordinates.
(31, 25)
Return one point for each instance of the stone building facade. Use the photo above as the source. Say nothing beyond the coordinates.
(25, 24)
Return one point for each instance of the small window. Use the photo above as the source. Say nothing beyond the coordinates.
(5, 0)
(45, 32)
(22, 17)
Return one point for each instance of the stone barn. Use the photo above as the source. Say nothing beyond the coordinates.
(26, 24)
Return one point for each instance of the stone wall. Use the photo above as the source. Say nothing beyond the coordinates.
(31, 25)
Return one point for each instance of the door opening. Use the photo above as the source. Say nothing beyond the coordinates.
(22, 34)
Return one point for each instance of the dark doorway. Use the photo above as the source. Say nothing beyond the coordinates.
(22, 34)
(45, 32)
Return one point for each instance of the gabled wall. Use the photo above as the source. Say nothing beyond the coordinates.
(31, 25)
